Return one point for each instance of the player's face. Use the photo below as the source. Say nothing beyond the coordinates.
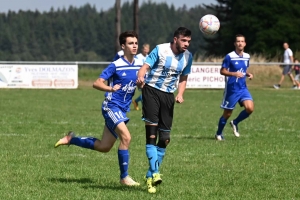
(145, 51)
(285, 45)
(240, 43)
(182, 43)
(131, 46)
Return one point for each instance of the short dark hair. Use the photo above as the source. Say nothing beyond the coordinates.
(182, 31)
(126, 34)
(239, 35)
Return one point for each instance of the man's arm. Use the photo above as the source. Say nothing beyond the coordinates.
(99, 84)
(181, 89)
(224, 71)
(141, 75)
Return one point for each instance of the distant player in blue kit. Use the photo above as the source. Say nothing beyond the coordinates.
(121, 78)
(165, 64)
(234, 67)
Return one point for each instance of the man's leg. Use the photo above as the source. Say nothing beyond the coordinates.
(293, 80)
(247, 102)
(228, 103)
(139, 99)
(103, 145)
(123, 154)
(222, 122)
(151, 149)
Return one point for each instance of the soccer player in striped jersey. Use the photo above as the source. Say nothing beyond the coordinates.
(165, 64)
(121, 78)
(234, 67)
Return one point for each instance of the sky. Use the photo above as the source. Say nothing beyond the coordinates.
(45, 5)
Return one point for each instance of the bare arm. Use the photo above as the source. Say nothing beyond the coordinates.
(292, 61)
(225, 72)
(181, 88)
(99, 84)
(141, 75)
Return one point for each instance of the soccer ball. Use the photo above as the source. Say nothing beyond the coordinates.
(209, 24)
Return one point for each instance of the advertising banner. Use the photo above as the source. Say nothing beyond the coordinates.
(39, 76)
(205, 77)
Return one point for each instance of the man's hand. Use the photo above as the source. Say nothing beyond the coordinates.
(140, 82)
(239, 74)
(179, 99)
(115, 87)
(250, 76)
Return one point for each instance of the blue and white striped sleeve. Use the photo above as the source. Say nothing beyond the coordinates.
(187, 69)
(152, 58)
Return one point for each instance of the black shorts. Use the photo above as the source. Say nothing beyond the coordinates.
(158, 107)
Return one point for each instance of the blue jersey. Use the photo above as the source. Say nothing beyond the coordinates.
(124, 73)
(165, 67)
(235, 63)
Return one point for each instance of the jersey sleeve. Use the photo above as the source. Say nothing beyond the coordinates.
(290, 53)
(187, 69)
(226, 62)
(108, 71)
(152, 57)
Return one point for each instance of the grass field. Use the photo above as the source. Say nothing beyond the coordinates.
(263, 163)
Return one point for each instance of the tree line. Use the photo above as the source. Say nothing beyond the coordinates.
(86, 34)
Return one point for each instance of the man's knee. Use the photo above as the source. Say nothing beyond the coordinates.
(164, 139)
(227, 113)
(151, 134)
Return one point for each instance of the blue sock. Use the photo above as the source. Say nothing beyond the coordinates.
(243, 115)
(151, 153)
(149, 173)
(84, 142)
(123, 156)
(221, 125)
(139, 99)
(160, 155)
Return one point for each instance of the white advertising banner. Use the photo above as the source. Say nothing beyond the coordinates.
(205, 77)
(39, 76)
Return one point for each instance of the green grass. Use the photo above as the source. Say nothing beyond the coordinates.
(262, 164)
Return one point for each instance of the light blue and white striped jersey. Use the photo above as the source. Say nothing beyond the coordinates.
(236, 63)
(124, 73)
(165, 67)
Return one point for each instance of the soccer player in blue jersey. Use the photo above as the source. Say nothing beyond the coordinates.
(165, 64)
(234, 67)
(121, 78)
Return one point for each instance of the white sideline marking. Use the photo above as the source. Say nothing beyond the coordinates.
(77, 155)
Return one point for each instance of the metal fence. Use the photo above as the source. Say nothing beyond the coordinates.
(106, 63)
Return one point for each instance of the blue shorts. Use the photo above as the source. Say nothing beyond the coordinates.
(230, 99)
(114, 116)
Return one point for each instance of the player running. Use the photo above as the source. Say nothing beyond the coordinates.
(121, 76)
(234, 67)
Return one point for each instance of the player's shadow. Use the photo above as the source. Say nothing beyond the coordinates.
(89, 183)
(198, 137)
(72, 180)
(114, 186)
